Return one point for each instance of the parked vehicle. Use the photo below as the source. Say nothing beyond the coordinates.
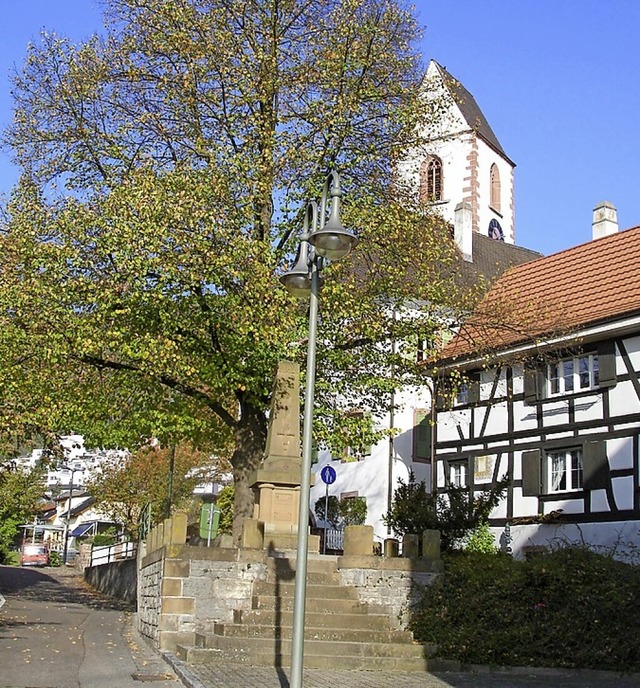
(34, 555)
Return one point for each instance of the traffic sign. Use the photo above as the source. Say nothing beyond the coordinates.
(328, 475)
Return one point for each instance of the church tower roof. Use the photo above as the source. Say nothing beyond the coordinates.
(470, 110)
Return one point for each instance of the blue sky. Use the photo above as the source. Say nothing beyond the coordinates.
(558, 80)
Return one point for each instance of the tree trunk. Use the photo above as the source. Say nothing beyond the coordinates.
(250, 438)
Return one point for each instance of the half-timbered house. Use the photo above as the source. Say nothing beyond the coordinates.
(550, 397)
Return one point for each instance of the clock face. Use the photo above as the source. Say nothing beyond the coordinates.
(495, 230)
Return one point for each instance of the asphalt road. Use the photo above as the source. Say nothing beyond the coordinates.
(55, 632)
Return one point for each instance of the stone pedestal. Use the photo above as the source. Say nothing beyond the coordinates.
(277, 481)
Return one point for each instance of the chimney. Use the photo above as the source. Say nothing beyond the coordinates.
(605, 220)
(462, 231)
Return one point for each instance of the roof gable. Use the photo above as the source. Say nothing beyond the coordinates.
(470, 110)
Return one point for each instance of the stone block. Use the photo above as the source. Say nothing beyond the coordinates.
(358, 540)
(172, 587)
(178, 528)
(431, 544)
(391, 547)
(410, 546)
(176, 568)
(178, 605)
(253, 533)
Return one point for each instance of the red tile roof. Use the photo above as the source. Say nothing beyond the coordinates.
(588, 284)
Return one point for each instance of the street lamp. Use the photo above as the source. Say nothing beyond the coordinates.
(321, 238)
(65, 545)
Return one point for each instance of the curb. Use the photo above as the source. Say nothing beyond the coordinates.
(188, 678)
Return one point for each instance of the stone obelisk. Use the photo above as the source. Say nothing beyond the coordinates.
(277, 481)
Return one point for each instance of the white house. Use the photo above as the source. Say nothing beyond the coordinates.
(555, 405)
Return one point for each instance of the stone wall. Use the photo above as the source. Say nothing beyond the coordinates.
(184, 590)
(397, 584)
(117, 579)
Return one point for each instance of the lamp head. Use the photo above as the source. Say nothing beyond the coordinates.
(332, 240)
(298, 280)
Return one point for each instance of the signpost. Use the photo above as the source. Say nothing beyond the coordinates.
(328, 475)
(209, 521)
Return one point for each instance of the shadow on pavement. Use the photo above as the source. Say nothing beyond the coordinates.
(56, 585)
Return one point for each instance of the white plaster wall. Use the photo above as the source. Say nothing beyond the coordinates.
(370, 477)
(619, 538)
(632, 345)
(487, 156)
(623, 399)
(620, 452)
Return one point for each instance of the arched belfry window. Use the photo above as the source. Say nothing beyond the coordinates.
(495, 187)
(431, 180)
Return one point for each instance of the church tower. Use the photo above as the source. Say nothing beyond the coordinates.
(461, 159)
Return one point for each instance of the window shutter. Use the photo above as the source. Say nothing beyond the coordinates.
(534, 384)
(531, 473)
(607, 363)
(474, 388)
(422, 436)
(595, 466)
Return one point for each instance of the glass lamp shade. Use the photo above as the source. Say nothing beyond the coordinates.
(333, 241)
(298, 280)
(298, 284)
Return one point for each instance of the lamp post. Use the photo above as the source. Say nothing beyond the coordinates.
(321, 238)
(66, 527)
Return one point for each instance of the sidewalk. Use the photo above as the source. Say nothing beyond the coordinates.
(234, 675)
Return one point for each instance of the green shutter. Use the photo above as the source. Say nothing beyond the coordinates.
(531, 473)
(474, 388)
(607, 364)
(422, 436)
(595, 466)
(535, 384)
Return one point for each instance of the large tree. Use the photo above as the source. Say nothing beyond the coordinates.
(165, 170)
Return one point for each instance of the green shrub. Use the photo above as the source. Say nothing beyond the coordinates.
(55, 559)
(224, 501)
(566, 608)
(481, 540)
(454, 513)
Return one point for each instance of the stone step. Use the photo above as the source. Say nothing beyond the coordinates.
(357, 618)
(333, 660)
(286, 566)
(314, 591)
(285, 632)
(325, 606)
(313, 578)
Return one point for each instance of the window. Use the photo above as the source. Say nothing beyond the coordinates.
(495, 187)
(564, 470)
(431, 180)
(573, 374)
(468, 391)
(458, 473)
(422, 435)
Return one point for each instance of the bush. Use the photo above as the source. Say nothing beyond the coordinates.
(342, 512)
(454, 512)
(553, 610)
(224, 502)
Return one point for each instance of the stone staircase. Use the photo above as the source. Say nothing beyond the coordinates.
(340, 631)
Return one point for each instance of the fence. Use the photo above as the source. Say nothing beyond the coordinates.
(105, 554)
(334, 539)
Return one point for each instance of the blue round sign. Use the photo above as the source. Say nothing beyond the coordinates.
(328, 475)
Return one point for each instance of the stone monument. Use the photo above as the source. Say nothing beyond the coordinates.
(276, 483)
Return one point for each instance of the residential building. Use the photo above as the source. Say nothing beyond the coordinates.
(550, 397)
